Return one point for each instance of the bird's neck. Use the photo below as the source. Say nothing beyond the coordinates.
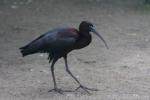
(83, 40)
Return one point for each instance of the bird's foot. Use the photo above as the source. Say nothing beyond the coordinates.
(86, 89)
(56, 90)
(59, 90)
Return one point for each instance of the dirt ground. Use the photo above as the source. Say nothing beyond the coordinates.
(120, 73)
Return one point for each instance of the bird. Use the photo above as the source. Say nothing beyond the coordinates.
(58, 43)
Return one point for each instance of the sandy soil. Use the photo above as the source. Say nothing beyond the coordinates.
(120, 73)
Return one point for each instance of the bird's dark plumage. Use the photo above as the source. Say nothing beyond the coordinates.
(52, 42)
(59, 42)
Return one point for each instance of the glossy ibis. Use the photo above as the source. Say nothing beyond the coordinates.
(58, 43)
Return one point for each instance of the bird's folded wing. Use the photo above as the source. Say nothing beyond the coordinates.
(50, 40)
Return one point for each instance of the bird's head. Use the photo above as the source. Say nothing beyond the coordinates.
(87, 27)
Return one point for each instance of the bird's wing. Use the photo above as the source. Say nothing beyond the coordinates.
(61, 39)
(55, 39)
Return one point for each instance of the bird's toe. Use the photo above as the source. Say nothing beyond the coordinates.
(56, 90)
(59, 90)
(86, 89)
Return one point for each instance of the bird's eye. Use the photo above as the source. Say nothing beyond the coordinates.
(91, 26)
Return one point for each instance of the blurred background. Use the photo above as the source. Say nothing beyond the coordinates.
(120, 73)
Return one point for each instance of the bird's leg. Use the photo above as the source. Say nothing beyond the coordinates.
(56, 89)
(80, 85)
(54, 80)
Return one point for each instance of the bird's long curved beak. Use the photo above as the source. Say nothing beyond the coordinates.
(94, 31)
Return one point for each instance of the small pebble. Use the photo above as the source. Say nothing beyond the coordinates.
(77, 76)
(138, 55)
(38, 81)
(41, 55)
(136, 95)
(45, 71)
(146, 40)
(132, 34)
(31, 70)
(14, 7)
(69, 95)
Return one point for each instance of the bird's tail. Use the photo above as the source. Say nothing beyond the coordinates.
(30, 48)
(24, 51)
